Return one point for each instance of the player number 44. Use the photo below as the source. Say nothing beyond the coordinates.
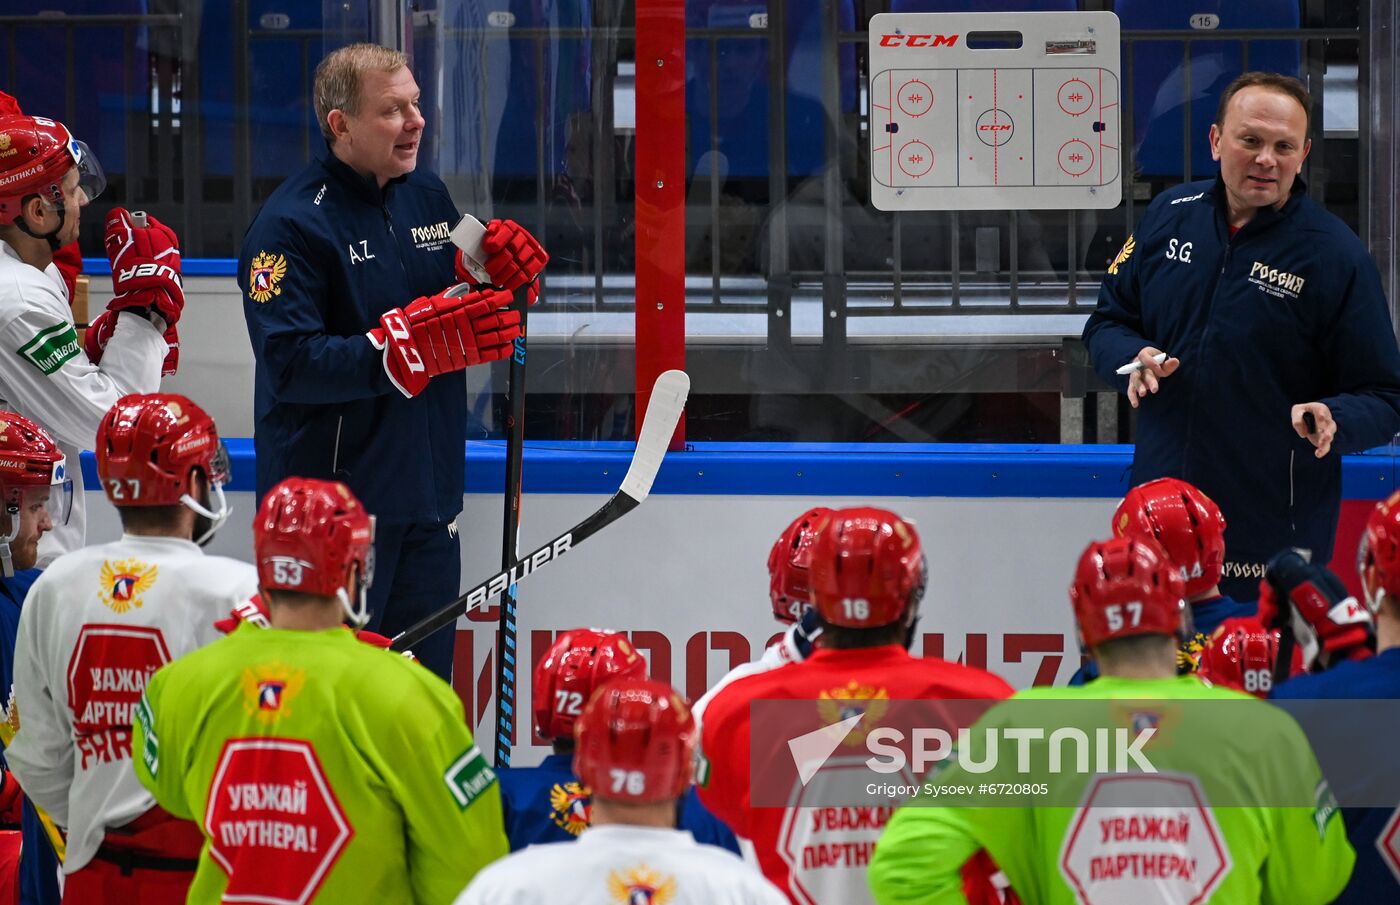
(1114, 615)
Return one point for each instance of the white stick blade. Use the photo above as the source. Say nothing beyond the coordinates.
(668, 397)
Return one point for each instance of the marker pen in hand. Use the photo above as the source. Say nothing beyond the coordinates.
(1136, 365)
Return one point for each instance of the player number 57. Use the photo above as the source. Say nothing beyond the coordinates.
(1114, 615)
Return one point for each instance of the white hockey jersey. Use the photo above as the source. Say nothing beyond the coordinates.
(94, 627)
(622, 864)
(46, 376)
(779, 653)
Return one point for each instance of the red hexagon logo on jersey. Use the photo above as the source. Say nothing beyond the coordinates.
(107, 675)
(274, 824)
(1144, 837)
(1389, 844)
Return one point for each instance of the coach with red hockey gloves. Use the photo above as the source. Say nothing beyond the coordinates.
(343, 273)
(1281, 352)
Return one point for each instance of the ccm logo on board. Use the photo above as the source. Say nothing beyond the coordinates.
(918, 40)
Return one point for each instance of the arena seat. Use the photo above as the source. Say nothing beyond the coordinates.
(741, 86)
(1161, 107)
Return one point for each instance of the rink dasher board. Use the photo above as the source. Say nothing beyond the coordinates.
(955, 128)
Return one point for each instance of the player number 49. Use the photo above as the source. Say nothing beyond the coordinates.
(634, 782)
(1114, 615)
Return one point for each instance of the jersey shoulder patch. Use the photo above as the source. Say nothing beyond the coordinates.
(49, 348)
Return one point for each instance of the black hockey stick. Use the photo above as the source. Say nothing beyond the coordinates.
(667, 399)
(510, 539)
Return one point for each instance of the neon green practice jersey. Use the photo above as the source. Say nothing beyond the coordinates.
(1194, 831)
(321, 769)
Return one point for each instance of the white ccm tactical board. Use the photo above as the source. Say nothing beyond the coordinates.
(963, 119)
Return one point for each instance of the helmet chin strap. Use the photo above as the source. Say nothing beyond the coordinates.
(216, 517)
(357, 613)
(50, 237)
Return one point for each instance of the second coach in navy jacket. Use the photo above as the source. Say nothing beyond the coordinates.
(1287, 311)
(1265, 313)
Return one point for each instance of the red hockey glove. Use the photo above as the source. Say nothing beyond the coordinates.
(145, 266)
(1329, 624)
(100, 331)
(513, 257)
(11, 798)
(374, 639)
(251, 610)
(455, 329)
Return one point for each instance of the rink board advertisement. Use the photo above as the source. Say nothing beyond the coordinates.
(685, 574)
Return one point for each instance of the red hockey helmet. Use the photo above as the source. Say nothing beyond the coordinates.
(307, 535)
(30, 462)
(1378, 559)
(1241, 655)
(35, 154)
(29, 457)
(867, 567)
(577, 664)
(1186, 522)
(789, 566)
(1126, 586)
(147, 447)
(635, 742)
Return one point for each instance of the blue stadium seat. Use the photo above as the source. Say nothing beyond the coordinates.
(495, 85)
(281, 121)
(741, 81)
(1161, 107)
(106, 91)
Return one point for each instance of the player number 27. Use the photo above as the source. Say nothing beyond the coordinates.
(119, 488)
(1114, 615)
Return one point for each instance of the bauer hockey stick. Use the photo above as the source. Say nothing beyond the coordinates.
(510, 538)
(667, 399)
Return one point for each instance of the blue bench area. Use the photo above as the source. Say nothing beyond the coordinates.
(829, 469)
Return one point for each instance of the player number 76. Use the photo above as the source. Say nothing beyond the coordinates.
(634, 781)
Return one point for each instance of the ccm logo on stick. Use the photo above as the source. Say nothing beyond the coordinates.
(918, 40)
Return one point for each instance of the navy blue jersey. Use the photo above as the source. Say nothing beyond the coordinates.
(1373, 879)
(325, 257)
(548, 804)
(1206, 617)
(1288, 310)
(38, 864)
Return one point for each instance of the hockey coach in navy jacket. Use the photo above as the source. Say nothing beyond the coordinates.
(1271, 315)
(360, 334)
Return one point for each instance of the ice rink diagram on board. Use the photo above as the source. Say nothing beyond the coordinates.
(954, 126)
